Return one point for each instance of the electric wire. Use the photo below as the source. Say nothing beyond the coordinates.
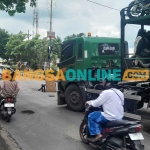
(109, 8)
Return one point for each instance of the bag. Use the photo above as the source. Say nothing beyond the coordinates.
(117, 94)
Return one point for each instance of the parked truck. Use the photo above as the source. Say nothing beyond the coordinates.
(86, 53)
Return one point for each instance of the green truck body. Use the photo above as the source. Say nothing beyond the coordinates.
(84, 53)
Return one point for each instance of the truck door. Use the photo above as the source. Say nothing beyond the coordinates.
(79, 53)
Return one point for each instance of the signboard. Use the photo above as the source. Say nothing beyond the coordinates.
(50, 34)
(108, 49)
(25, 63)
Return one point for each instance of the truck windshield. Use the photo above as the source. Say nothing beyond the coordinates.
(108, 49)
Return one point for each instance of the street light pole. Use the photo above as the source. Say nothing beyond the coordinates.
(50, 32)
(28, 35)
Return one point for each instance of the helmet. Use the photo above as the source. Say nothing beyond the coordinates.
(109, 81)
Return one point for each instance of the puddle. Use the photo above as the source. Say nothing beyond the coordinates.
(29, 112)
(51, 96)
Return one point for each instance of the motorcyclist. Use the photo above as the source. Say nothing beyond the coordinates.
(9, 87)
(112, 101)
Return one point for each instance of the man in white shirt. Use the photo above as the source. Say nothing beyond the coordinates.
(112, 101)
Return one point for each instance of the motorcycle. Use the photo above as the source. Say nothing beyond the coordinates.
(138, 8)
(7, 108)
(117, 135)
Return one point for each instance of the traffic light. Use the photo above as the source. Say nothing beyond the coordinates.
(49, 50)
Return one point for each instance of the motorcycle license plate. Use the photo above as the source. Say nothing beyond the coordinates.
(9, 105)
(136, 136)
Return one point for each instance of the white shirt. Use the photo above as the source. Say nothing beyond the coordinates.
(111, 103)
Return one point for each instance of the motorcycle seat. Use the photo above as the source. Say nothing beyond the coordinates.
(121, 123)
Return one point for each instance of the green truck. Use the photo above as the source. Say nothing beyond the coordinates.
(104, 53)
(86, 53)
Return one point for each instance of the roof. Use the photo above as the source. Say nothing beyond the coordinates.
(94, 39)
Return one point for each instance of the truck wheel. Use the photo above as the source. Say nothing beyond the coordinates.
(74, 98)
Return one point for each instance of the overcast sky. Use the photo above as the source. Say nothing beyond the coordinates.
(73, 16)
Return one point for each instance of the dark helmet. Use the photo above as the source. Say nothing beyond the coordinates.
(141, 33)
(109, 83)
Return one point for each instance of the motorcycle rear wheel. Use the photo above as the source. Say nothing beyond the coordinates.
(129, 11)
(8, 118)
(136, 145)
(83, 134)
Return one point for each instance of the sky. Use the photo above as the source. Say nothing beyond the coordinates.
(72, 17)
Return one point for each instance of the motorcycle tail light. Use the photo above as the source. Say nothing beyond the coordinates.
(108, 130)
(135, 128)
(9, 99)
(138, 128)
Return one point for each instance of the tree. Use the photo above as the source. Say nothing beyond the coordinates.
(4, 36)
(73, 36)
(80, 34)
(15, 46)
(33, 51)
(56, 44)
(15, 6)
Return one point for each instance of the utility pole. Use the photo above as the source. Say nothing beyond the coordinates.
(51, 17)
(51, 7)
(35, 19)
(28, 35)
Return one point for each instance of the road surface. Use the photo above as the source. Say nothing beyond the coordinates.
(49, 127)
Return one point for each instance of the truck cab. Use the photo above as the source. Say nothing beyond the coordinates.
(84, 53)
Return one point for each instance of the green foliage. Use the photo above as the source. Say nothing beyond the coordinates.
(54, 68)
(33, 51)
(56, 50)
(15, 46)
(15, 6)
(73, 36)
(14, 67)
(4, 36)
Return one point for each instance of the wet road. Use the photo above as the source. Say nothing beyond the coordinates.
(50, 127)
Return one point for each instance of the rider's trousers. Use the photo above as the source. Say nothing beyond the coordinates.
(96, 121)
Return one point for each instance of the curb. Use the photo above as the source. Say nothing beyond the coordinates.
(6, 141)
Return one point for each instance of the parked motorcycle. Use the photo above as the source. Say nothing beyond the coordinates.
(7, 108)
(117, 135)
(138, 8)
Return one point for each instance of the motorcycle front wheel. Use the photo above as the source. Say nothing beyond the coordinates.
(132, 14)
(83, 132)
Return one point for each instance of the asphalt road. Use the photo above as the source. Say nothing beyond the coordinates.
(50, 127)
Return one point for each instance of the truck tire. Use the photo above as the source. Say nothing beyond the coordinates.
(74, 99)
